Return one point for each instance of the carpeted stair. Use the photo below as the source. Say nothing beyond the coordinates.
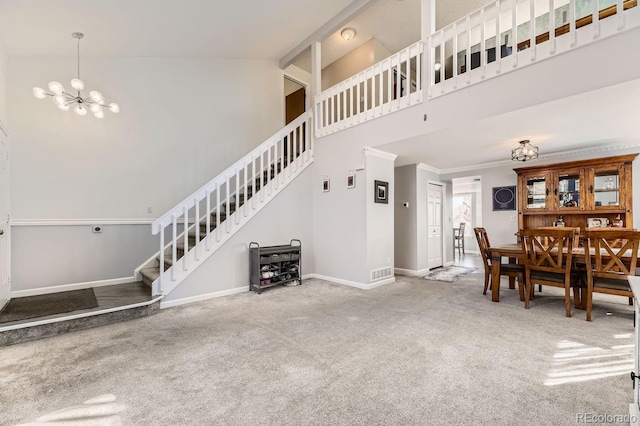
(149, 275)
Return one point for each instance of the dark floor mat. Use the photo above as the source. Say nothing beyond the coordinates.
(21, 308)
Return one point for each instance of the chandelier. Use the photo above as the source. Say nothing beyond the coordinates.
(524, 152)
(65, 100)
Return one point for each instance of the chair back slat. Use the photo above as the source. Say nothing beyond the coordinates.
(549, 250)
(613, 253)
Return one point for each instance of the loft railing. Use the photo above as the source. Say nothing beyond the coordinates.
(213, 213)
(390, 85)
(500, 37)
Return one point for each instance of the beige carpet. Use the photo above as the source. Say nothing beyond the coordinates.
(416, 352)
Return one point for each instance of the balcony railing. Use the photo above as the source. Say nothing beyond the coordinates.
(390, 85)
(503, 36)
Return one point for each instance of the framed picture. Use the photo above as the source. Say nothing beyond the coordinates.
(351, 181)
(325, 185)
(381, 192)
(504, 198)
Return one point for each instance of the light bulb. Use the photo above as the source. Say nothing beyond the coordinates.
(39, 93)
(114, 107)
(80, 110)
(77, 84)
(96, 96)
(94, 108)
(56, 87)
(99, 114)
(63, 107)
(437, 66)
(59, 100)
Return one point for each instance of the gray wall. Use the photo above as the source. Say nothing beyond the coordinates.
(288, 216)
(500, 227)
(167, 141)
(380, 216)
(405, 232)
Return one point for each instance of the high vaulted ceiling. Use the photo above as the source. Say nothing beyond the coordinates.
(259, 29)
(165, 28)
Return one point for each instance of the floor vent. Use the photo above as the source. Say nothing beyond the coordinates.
(381, 273)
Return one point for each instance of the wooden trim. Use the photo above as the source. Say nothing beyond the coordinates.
(586, 20)
(628, 158)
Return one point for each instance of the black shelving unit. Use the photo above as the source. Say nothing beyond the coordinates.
(274, 265)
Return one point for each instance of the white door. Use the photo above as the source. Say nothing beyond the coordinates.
(435, 197)
(5, 231)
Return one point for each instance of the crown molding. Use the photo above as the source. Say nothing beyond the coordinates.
(373, 152)
(427, 168)
(557, 156)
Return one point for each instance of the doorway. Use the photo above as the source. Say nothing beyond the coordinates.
(295, 95)
(435, 198)
(467, 208)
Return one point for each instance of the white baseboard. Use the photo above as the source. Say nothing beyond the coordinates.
(171, 303)
(69, 287)
(353, 283)
(411, 272)
(449, 263)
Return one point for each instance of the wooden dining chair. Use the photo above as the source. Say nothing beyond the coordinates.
(512, 270)
(547, 261)
(458, 238)
(612, 257)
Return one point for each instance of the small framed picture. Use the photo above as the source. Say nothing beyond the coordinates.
(381, 192)
(325, 185)
(351, 181)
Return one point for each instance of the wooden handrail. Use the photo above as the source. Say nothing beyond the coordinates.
(586, 20)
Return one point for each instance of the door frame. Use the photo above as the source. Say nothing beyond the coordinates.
(307, 94)
(443, 188)
(5, 224)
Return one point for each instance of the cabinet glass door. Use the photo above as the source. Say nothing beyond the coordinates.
(607, 189)
(569, 190)
(537, 192)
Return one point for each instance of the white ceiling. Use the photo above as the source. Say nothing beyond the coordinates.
(166, 28)
(261, 29)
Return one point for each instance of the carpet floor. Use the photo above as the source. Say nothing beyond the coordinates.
(21, 308)
(415, 352)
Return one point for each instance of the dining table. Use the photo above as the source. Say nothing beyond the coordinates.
(515, 255)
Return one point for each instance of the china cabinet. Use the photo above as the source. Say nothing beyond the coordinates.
(593, 192)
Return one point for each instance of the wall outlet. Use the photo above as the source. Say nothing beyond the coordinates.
(96, 229)
(512, 218)
(149, 209)
(389, 260)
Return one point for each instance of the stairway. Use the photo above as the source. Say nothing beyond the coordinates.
(198, 226)
(149, 275)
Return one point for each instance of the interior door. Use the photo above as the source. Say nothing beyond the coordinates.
(5, 231)
(294, 105)
(435, 197)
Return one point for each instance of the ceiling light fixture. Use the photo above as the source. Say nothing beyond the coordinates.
(348, 33)
(524, 152)
(65, 100)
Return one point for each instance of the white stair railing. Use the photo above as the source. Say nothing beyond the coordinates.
(390, 85)
(206, 219)
(507, 24)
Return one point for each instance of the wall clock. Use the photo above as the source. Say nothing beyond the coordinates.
(504, 198)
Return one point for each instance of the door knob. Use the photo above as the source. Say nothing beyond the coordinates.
(1, 231)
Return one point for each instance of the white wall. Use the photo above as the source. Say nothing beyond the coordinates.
(362, 57)
(182, 121)
(288, 216)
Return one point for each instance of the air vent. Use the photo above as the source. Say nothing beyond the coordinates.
(381, 273)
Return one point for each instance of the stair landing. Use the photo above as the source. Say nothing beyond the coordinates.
(116, 303)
